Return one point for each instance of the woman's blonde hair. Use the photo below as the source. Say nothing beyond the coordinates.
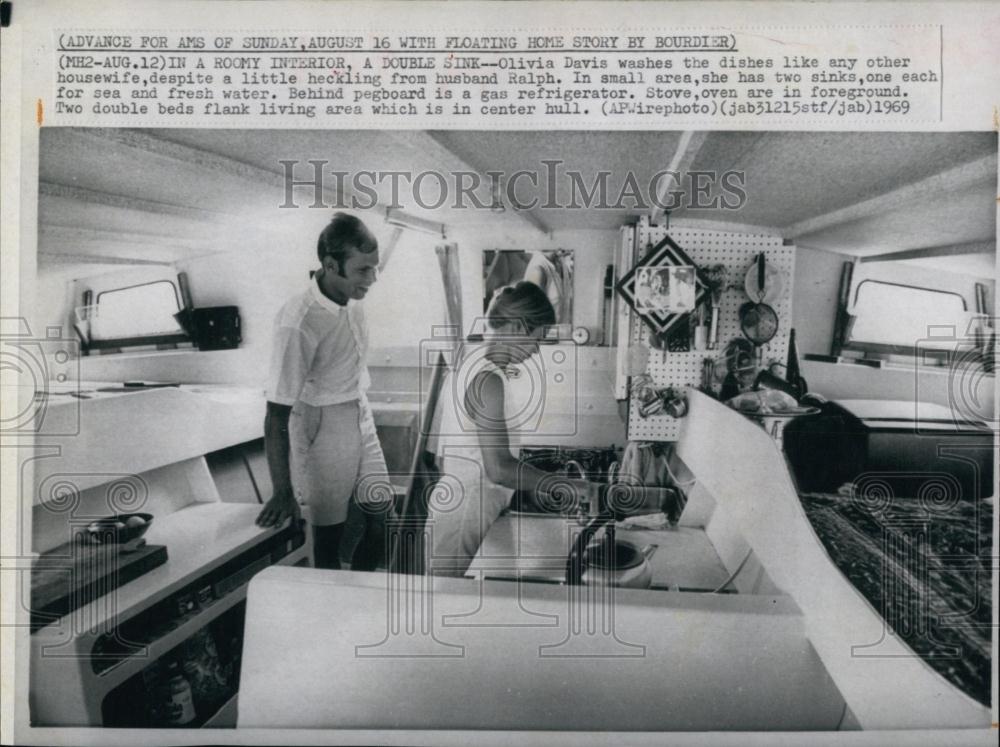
(524, 303)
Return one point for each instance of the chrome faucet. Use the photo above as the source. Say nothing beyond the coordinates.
(571, 464)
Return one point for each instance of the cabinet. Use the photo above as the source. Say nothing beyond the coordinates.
(92, 667)
(144, 451)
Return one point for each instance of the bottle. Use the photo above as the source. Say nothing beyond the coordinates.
(179, 701)
(792, 375)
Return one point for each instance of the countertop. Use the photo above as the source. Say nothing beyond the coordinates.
(198, 537)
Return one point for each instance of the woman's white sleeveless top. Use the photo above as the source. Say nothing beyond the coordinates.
(464, 503)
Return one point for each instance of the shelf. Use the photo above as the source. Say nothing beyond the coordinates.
(133, 664)
(110, 434)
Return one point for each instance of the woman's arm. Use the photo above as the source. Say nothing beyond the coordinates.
(484, 402)
(534, 274)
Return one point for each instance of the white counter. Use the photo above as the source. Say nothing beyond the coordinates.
(336, 649)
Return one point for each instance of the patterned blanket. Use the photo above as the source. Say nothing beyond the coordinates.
(925, 565)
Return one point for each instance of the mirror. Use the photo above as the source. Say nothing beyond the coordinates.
(551, 270)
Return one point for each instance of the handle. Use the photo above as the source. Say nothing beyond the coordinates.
(613, 469)
(713, 330)
(570, 465)
(761, 293)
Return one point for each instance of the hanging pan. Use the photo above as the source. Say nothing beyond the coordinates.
(758, 320)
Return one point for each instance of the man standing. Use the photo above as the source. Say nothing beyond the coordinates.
(319, 433)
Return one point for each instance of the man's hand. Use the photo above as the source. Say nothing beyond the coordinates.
(280, 507)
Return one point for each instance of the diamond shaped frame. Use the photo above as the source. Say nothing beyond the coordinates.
(665, 254)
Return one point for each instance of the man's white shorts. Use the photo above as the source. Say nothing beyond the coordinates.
(335, 453)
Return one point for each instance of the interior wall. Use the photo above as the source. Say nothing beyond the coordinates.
(257, 279)
(54, 298)
(814, 298)
(257, 282)
(260, 279)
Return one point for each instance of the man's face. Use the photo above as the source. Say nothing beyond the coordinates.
(358, 273)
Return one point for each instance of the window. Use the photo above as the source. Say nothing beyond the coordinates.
(890, 317)
(140, 314)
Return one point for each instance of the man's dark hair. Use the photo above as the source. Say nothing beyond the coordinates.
(344, 233)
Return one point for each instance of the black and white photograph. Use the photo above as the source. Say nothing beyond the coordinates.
(306, 455)
(475, 372)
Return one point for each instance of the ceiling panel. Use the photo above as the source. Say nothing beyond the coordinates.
(580, 162)
(974, 265)
(790, 177)
(966, 215)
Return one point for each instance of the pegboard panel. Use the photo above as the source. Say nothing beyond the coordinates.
(736, 252)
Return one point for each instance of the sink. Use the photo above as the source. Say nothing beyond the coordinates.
(593, 462)
(522, 504)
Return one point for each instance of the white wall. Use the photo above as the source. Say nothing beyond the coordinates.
(258, 279)
(263, 277)
(814, 298)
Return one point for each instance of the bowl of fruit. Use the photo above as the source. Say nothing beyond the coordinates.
(121, 529)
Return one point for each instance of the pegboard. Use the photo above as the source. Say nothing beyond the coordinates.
(735, 251)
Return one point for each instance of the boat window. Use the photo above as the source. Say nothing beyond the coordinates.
(890, 316)
(136, 313)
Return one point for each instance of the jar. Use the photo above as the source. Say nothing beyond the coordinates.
(178, 705)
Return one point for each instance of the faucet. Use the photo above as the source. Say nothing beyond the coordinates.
(568, 467)
(608, 512)
(576, 563)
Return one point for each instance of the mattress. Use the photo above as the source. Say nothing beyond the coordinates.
(925, 567)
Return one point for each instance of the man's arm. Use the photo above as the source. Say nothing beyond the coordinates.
(277, 447)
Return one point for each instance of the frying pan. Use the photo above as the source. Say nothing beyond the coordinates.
(770, 289)
(758, 321)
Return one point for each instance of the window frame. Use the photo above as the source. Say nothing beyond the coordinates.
(167, 341)
(882, 349)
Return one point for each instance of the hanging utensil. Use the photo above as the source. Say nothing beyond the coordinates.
(758, 321)
(715, 278)
(766, 288)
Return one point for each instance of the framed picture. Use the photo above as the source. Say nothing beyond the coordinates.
(664, 286)
(665, 289)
